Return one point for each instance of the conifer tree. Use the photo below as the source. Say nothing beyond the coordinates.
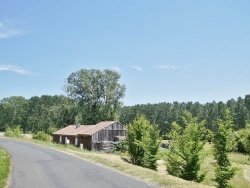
(185, 155)
(143, 142)
(223, 144)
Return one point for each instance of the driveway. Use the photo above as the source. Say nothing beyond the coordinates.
(40, 167)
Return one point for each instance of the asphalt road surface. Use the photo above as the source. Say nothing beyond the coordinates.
(40, 167)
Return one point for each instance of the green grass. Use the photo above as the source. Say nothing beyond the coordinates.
(5, 165)
(238, 160)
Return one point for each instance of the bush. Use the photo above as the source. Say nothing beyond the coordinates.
(121, 146)
(240, 136)
(15, 133)
(245, 139)
(143, 143)
(186, 148)
(41, 136)
(223, 144)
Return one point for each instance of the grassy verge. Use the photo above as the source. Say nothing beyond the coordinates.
(5, 165)
(121, 164)
(240, 161)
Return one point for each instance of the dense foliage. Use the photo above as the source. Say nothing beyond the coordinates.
(223, 144)
(163, 114)
(94, 96)
(242, 137)
(143, 142)
(16, 132)
(184, 158)
(49, 113)
(97, 94)
(45, 113)
(41, 136)
(121, 146)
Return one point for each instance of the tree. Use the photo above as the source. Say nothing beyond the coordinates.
(186, 148)
(223, 144)
(143, 142)
(98, 94)
(49, 113)
(241, 114)
(13, 112)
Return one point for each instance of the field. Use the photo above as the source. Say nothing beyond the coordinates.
(242, 177)
(240, 161)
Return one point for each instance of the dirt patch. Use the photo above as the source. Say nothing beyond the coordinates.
(28, 136)
(246, 170)
(161, 168)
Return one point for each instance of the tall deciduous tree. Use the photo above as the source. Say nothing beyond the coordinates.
(13, 112)
(98, 94)
(223, 144)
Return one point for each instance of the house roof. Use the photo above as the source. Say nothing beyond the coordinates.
(95, 128)
(74, 130)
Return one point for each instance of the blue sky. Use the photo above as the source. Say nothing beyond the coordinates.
(164, 50)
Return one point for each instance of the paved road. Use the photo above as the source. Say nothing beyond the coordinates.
(39, 167)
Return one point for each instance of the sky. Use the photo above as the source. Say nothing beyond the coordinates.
(165, 50)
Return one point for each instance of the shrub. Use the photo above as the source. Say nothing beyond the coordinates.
(15, 132)
(223, 144)
(41, 136)
(143, 142)
(240, 136)
(246, 140)
(184, 158)
(121, 146)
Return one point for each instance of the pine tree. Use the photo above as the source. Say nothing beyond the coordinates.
(185, 155)
(223, 144)
(143, 142)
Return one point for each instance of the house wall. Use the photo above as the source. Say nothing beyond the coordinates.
(56, 138)
(107, 134)
(86, 141)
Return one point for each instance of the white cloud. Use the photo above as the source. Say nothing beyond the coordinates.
(8, 30)
(15, 69)
(137, 68)
(117, 69)
(171, 67)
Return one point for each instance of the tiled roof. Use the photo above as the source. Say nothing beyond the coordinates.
(95, 128)
(73, 130)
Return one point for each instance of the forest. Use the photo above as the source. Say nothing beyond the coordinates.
(49, 113)
(95, 95)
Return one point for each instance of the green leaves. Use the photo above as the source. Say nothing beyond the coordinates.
(97, 92)
(14, 133)
(143, 142)
(222, 146)
(185, 155)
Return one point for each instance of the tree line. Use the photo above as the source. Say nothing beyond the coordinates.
(95, 95)
(164, 114)
(49, 113)
(92, 96)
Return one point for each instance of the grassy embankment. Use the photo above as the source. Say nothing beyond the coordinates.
(121, 163)
(160, 177)
(5, 166)
(240, 161)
